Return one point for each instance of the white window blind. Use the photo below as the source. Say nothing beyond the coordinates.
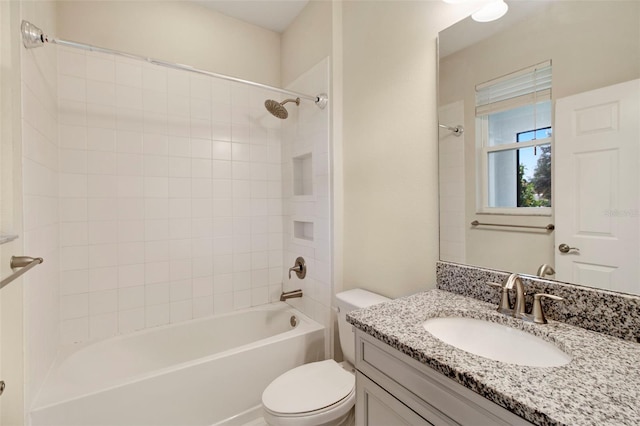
(525, 87)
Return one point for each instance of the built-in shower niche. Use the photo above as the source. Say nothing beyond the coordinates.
(303, 232)
(303, 175)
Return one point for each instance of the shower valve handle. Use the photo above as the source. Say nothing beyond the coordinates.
(300, 268)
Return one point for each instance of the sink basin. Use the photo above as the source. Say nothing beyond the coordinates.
(496, 341)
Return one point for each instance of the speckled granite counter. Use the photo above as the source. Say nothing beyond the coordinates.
(600, 386)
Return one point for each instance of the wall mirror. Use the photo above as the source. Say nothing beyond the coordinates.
(588, 134)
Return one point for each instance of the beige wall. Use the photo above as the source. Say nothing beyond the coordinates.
(585, 57)
(176, 31)
(390, 143)
(307, 40)
(11, 297)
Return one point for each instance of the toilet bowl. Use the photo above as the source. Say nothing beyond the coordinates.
(320, 393)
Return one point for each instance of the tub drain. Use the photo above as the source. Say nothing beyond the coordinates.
(293, 321)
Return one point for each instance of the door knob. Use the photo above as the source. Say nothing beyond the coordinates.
(564, 248)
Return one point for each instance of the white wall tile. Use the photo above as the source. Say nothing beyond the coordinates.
(101, 163)
(102, 186)
(73, 258)
(203, 307)
(180, 249)
(131, 320)
(157, 294)
(74, 330)
(128, 74)
(101, 69)
(241, 299)
(131, 230)
(180, 290)
(156, 272)
(74, 306)
(72, 88)
(128, 141)
(103, 326)
(154, 210)
(74, 234)
(73, 137)
(131, 275)
(103, 302)
(74, 282)
(73, 161)
(102, 209)
(154, 101)
(101, 116)
(131, 253)
(72, 185)
(181, 311)
(101, 93)
(101, 279)
(102, 255)
(157, 251)
(130, 298)
(71, 63)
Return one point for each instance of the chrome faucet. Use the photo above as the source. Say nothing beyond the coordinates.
(544, 270)
(290, 294)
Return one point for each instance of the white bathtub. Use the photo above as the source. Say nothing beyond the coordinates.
(195, 373)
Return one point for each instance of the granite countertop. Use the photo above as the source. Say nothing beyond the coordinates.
(600, 386)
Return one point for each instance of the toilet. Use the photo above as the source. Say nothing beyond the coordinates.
(324, 392)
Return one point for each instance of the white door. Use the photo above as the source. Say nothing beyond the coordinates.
(596, 162)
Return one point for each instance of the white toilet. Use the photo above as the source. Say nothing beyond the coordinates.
(320, 393)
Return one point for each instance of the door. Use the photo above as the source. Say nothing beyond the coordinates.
(596, 157)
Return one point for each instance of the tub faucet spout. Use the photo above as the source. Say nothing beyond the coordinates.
(290, 294)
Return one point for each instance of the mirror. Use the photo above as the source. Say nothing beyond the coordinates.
(594, 48)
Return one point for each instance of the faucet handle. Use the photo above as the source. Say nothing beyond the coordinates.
(300, 268)
(538, 313)
(504, 306)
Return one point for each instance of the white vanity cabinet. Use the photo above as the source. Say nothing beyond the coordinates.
(394, 389)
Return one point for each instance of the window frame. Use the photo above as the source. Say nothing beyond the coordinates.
(483, 149)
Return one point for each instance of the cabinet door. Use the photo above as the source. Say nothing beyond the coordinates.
(376, 407)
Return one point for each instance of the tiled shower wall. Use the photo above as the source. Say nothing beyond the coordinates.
(170, 196)
(307, 209)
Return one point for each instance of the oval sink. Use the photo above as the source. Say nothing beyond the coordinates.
(496, 341)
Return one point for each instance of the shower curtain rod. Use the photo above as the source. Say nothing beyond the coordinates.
(32, 36)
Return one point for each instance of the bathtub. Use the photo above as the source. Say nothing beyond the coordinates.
(201, 372)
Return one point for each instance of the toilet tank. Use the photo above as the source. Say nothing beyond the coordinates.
(348, 301)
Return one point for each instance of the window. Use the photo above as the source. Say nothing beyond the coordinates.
(514, 137)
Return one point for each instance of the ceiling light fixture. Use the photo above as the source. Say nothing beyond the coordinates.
(491, 11)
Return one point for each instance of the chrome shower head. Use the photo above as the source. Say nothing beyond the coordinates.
(277, 109)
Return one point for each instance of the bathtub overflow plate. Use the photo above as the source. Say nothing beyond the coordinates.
(293, 321)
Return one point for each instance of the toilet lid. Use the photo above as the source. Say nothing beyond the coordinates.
(309, 387)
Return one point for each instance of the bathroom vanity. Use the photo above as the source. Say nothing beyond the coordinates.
(394, 389)
(405, 375)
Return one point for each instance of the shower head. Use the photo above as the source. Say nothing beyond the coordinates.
(277, 109)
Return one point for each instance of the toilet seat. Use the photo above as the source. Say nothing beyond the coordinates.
(314, 393)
